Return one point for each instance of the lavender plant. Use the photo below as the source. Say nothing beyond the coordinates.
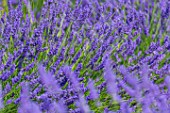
(84, 56)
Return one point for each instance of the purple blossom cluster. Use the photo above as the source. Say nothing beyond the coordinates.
(86, 56)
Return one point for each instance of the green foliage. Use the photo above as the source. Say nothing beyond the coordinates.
(10, 108)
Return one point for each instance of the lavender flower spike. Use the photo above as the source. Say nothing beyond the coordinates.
(110, 78)
(82, 104)
(48, 80)
(1, 101)
(93, 91)
(58, 107)
(26, 105)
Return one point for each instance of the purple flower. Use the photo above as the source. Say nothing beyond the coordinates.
(48, 80)
(110, 78)
(17, 101)
(128, 77)
(128, 89)
(1, 98)
(144, 75)
(93, 92)
(58, 107)
(29, 66)
(9, 101)
(125, 108)
(26, 105)
(72, 76)
(82, 104)
(7, 88)
(167, 82)
(76, 57)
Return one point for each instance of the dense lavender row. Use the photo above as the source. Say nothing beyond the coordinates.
(85, 56)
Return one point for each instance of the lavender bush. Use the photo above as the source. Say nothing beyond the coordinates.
(85, 56)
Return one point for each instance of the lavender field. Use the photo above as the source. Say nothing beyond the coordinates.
(84, 56)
